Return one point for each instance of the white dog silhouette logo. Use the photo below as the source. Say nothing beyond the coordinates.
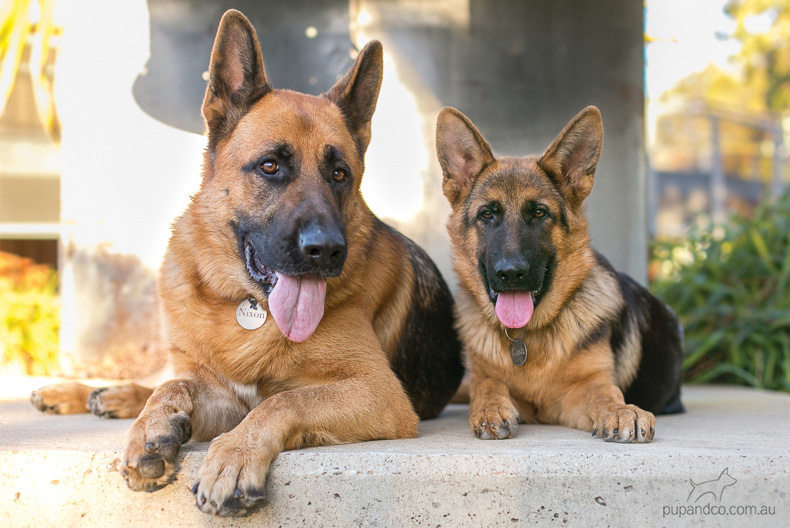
(713, 487)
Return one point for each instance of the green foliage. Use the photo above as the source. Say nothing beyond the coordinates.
(730, 286)
(29, 316)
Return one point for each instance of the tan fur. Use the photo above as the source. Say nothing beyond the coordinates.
(117, 401)
(565, 380)
(62, 398)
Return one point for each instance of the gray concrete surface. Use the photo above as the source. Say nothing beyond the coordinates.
(62, 471)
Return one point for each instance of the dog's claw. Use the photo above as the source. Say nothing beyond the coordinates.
(624, 424)
(495, 422)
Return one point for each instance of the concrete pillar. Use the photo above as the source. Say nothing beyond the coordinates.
(718, 187)
(521, 71)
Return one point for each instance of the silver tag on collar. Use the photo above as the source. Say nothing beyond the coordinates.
(249, 315)
(518, 352)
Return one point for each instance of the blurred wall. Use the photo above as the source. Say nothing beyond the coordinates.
(124, 178)
(131, 78)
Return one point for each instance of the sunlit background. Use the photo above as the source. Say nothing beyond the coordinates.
(717, 86)
(93, 168)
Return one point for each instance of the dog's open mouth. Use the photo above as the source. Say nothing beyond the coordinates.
(514, 308)
(296, 302)
(266, 277)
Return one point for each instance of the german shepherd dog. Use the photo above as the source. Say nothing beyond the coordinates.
(552, 333)
(359, 341)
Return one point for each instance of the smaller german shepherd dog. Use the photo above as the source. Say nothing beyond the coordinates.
(552, 333)
(359, 341)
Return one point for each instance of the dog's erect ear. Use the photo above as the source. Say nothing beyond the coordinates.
(357, 92)
(236, 76)
(571, 159)
(462, 152)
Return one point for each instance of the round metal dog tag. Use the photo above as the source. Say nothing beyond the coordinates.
(249, 315)
(518, 352)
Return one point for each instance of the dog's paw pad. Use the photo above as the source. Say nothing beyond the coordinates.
(151, 460)
(151, 466)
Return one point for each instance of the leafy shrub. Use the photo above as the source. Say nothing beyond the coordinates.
(730, 286)
(29, 316)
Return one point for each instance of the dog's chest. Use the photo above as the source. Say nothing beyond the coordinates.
(246, 393)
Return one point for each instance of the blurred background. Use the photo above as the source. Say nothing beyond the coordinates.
(101, 147)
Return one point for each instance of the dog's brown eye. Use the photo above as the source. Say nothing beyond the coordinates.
(540, 213)
(339, 175)
(486, 214)
(269, 167)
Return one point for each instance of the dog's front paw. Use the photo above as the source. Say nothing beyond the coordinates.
(151, 448)
(121, 401)
(231, 480)
(495, 422)
(624, 424)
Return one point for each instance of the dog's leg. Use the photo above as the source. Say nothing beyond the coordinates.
(117, 401)
(600, 407)
(492, 414)
(153, 440)
(176, 409)
(231, 480)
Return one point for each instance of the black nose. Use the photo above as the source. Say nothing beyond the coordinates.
(512, 272)
(322, 247)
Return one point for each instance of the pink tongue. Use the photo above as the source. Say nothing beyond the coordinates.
(297, 305)
(514, 309)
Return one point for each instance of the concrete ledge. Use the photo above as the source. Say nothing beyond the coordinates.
(62, 471)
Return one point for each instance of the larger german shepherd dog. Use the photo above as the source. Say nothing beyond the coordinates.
(553, 334)
(294, 316)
